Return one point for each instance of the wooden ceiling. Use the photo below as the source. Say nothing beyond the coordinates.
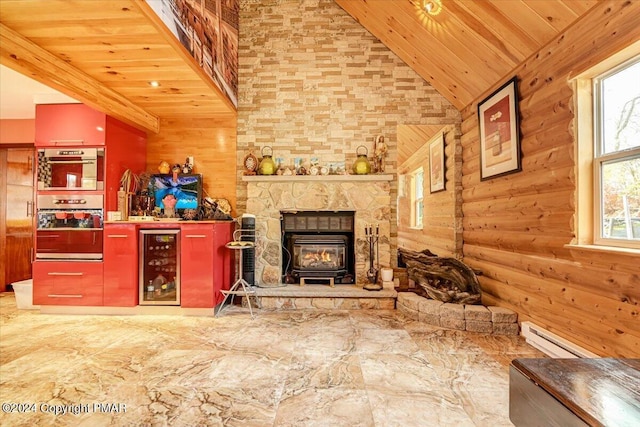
(471, 45)
(104, 53)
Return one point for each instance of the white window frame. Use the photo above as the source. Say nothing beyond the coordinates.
(417, 200)
(589, 162)
(600, 159)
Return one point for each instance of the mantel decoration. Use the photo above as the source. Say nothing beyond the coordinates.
(250, 163)
(362, 166)
(267, 165)
(436, 164)
(499, 132)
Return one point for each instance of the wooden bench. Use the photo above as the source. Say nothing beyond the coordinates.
(574, 392)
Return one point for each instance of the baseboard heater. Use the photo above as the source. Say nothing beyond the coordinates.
(551, 344)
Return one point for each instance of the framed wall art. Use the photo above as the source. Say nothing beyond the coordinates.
(500, 132)
(436, 164)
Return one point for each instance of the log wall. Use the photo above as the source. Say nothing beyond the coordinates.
(211, 142)
(516, 226)
(442, 221)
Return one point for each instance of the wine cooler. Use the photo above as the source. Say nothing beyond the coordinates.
(159, 267)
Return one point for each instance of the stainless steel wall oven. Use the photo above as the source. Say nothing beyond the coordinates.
(69, 227)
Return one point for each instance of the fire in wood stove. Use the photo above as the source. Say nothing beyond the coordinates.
(319, 256)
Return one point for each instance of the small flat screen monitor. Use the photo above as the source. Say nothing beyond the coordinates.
(187, 189)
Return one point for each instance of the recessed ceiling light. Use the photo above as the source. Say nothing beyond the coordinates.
(99, 128)
(154, 83)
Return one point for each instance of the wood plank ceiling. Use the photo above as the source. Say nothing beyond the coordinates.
(471, 45)
(104, 53)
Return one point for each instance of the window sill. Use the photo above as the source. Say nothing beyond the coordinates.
(589, 251)
(416, 228)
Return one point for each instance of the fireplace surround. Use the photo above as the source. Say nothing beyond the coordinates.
(367, 196)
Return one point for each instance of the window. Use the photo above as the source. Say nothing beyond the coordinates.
(616, 155)
(417, 191)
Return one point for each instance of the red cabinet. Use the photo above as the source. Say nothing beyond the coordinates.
(196, 265)
(224, 259)
(68, 283)
(121, 265)
(206, 265)
(63, 125)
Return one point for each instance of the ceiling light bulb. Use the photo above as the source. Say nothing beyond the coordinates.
(433, 7)
(154, 83)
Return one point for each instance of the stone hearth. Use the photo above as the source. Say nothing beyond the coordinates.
(368, 196)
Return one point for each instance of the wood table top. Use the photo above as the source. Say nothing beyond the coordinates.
(602, 392)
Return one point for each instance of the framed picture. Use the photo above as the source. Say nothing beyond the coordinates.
(436, 164)
(499, 132)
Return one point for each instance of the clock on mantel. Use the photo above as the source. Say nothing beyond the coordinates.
(250, 164)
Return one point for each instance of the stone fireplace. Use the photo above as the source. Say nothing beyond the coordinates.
(366, 196)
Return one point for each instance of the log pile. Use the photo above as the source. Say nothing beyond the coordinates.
(440, 278)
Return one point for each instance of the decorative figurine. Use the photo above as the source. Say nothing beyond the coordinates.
(169, 201)
(380, 152)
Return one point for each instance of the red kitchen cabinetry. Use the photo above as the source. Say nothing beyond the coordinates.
(64, 125)
(68, 283)
(121, 265)
(205, 263)
(69, 125)
(196, 265)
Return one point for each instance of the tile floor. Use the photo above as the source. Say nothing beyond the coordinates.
(284, 368)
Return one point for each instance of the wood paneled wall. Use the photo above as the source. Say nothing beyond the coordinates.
(212, 143)
(442, 220)
(516, 227)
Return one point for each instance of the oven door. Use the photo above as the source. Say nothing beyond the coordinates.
(69, 243)
(71, 169)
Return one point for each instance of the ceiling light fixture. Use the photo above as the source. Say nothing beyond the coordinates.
(432, 7)
(154, 83)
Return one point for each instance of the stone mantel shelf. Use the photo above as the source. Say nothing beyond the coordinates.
(312, 178)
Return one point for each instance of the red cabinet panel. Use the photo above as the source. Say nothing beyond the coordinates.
(196, 265)
(69, 124)
(68, 283)
(121, 265)
(223, 259)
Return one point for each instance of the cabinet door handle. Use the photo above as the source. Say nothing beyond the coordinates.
(195, 236)
(66, 141)
(117, 236)
(48, 236)
(64, 296)
(54, 273)
(94, 238)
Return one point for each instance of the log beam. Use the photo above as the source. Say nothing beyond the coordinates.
(26, 57)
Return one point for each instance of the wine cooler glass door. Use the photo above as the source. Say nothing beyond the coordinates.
(159, 267)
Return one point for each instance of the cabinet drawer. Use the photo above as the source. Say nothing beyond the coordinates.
(68, 283)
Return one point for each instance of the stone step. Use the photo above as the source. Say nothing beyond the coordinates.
(340, 297)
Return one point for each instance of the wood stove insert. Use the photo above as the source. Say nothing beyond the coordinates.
(318, 245)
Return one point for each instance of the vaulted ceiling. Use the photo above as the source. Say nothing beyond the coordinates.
(471, 44)
(104, 52)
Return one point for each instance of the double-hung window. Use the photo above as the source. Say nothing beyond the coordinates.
(616, 155)
(417, 198)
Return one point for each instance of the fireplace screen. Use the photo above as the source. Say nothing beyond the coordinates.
(319, 255)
